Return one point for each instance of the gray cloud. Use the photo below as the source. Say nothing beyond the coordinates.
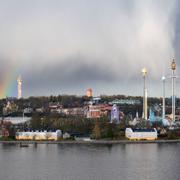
(71, 72)
(68, 46)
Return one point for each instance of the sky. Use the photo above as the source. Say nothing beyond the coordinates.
(67, 46)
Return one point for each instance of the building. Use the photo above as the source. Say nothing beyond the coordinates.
(126, 102)
(78, 111)
(141, 134)
(40, 110)
(66, 136)
(55, 107)
(37, 135)
(28, 110)
(10, 107)
(89, 92)
(17, 120)
(93, 111)
(96, 111)
(115, 114)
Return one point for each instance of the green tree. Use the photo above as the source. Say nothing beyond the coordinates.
(36, 122)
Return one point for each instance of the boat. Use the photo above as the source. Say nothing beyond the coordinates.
(23, 145)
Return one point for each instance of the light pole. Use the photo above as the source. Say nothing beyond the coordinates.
(163, 110)
(173, 78)
(144, 74)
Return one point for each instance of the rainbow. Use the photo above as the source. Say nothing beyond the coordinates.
(9, 80)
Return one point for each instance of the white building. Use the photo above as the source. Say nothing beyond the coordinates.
(141, 134)
(17, 120)
(66, 135)
(36, 135)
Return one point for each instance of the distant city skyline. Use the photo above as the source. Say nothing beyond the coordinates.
(66, 47)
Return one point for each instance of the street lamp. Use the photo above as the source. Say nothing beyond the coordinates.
(144, 74)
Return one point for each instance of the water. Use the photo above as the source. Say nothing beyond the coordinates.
(90, 162)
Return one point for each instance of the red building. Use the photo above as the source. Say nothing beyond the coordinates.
(96, 111)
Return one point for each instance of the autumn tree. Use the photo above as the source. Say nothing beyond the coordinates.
(96, 133)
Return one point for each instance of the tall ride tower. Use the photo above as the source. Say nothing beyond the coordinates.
(19, 86)
(144, 74)
(89, 92)
(164, 96)
(173, 78)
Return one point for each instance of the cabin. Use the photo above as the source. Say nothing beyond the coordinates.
(141, 134)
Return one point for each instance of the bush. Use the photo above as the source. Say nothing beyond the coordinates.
(172, 135)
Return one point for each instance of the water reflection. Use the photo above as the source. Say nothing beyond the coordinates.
(90, 162)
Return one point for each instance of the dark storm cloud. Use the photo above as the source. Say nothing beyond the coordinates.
(68, 74)
(70, 45)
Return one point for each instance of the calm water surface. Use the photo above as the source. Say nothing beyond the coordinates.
(90, 162)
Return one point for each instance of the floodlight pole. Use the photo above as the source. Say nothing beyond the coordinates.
(164, 94)
(173, 78)
(144, 74)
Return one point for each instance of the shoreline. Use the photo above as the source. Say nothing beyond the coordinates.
(98, 142)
